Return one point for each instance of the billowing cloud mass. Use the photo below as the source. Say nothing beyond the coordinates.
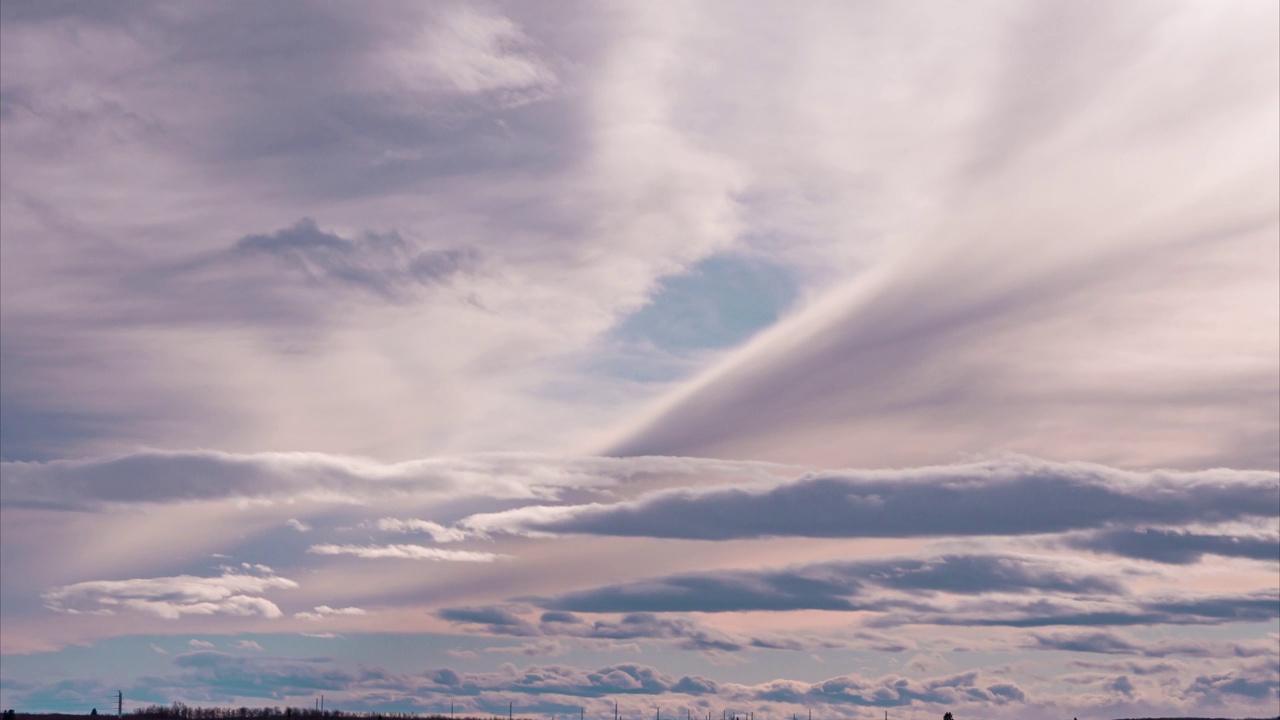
(701, 359)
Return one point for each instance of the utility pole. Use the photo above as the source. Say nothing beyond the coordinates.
(511, 710)
(119, 703)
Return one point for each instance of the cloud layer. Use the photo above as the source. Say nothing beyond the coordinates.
(1012, 496)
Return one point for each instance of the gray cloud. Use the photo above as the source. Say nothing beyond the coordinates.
(1177, 546)
(1111, 643)
(1246, 607)
(852, 585)
(893, 691)
(685, 633)
(1259, 682)
(680, 632)
(1012, 496)
(384, 266)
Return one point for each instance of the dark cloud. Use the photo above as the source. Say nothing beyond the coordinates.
(684, 633)
(1111, 643)
(832, 586)
(1259, 682)
(494, 619)
(680, 632)
(1177, 546)
(1012, 496)
(1253, 607)
(383, 264)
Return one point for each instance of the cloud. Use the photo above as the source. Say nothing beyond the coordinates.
(477, 50)
(173, 476)
(681, 632)
(248, 645)
(1112, 643)
(893, 691)
(1177, 546)
(850, 585)
(438, 532)
(266, 272)
(1186, 609)
(323, 611)
(231, 593)
(405, 552)
(298, 525)
(1258, 682)
(1008, 496)
(200, 644)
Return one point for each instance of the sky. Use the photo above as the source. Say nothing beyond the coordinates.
(702, 358)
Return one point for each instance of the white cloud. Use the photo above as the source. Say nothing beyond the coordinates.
(323, 611)
(298, 525)
(405, 552)
(248, 645)
(200, 644)
(173, 597)
(438, 532)
(475, 50)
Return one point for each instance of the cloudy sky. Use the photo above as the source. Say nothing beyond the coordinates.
(763, 357)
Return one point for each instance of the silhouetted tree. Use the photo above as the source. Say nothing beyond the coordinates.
(948, 716)
(94, 712)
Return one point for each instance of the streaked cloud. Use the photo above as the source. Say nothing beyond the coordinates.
(438, 532)
(1008, 496)
(404, 552)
